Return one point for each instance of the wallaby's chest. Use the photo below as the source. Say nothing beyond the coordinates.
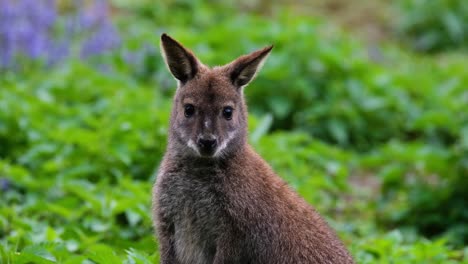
(191, 201)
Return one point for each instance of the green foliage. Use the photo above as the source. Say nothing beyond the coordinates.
(69, 118)
(383, 250)
(434, 25)
(422, 187)
(79, 152)
(377, 140)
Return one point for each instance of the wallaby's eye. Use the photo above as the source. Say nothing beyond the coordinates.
(189, 110)
(227, 112)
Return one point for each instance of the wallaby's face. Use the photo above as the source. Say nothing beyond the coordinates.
(209, 116)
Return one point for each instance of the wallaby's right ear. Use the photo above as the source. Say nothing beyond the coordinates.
(181, 62)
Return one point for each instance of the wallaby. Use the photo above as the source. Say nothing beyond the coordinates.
(215, 200)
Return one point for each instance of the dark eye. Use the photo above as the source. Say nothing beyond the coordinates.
(189, 110)
(227, 112)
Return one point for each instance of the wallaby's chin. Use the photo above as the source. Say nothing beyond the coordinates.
(207, 153)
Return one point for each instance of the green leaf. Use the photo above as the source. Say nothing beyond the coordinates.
(100, 253)
(35, 254)
(262, 128)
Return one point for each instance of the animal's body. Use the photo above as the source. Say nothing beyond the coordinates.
(215, 200)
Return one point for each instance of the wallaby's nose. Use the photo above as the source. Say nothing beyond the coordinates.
(207, 145)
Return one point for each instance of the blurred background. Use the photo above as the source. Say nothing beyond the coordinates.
(362, 107)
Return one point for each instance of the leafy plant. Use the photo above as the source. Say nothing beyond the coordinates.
(434, 25)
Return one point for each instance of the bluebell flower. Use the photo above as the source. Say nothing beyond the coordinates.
(28, 30)
(4, 184)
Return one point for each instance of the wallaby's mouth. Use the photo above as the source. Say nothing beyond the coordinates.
(204, 148)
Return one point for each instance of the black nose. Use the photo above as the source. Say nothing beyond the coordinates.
(207, 144)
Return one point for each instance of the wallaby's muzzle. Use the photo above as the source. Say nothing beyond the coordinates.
(207, 146)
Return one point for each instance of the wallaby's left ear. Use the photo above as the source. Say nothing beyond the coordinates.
(181, 62)
(243, 70)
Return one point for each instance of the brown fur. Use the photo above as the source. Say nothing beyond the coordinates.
(226, 205)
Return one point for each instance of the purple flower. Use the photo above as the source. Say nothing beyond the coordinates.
(93, 16)
(4, 184)
(104, 38)
(58, 52)
(103, 35)
(28, 29)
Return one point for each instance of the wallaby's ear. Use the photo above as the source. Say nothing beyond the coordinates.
(243, 70)
(181, 62)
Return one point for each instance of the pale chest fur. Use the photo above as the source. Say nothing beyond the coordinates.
(190, 200)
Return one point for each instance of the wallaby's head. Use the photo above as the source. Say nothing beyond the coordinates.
(209, 115)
